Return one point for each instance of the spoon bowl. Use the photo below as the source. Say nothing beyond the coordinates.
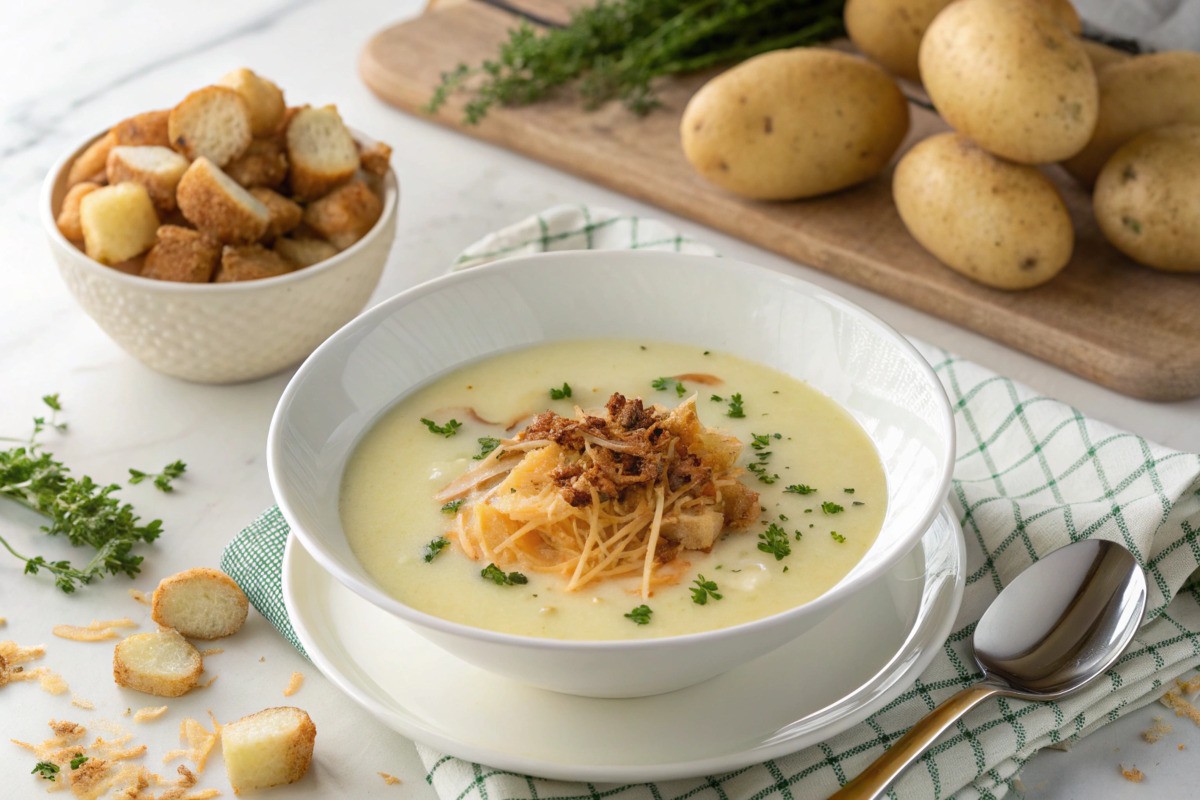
(1056, 627)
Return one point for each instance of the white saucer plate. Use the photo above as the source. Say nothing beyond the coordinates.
(863, 656)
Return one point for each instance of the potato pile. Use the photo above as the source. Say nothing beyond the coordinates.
(229, 185)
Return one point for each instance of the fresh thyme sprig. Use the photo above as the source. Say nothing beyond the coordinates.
(615, 50)
(162, 480)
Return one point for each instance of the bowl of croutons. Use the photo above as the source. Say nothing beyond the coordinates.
(223, 239)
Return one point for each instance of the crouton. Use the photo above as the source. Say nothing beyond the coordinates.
(68, 216)
(200, 603)
(90, 164)
(270, 748)
(263, 164)
(344, 215)
(285, 215)
(118, 222)
(375, 158)
(217, 205)
(162, 663)
(157, 168)
(321, 152)
(212, 122)
(741, 507)
(131, 266)
(304, 252)
(144, 130)
(693, 531)
(264, 99)
(250, 263)
(185, 255)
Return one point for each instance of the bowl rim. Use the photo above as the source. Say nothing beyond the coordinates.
(390, 306)
(391, 200)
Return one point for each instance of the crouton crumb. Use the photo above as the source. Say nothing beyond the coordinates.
(1157, 731)
(1133, 774)
(147, 713)
(80, 702)
(1175, 701)
(212, 651)
(390, 780)
(140, 596)
(294, 684)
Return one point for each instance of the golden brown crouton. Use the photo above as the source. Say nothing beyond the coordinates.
(212, 122)
(131, 266)
(118, 222)
(321, 152)
(90, 164)
(303, 251)
(157, 168)
(200, 603)
(217, 205)
(68, 217)
(144, 130)
(263, 99)
(162, 663)
(263, 164)
(285, 215)
(694, 531)
(344, 215)
(375, 158)
(250, 263)
(182, 254)
(270, 748)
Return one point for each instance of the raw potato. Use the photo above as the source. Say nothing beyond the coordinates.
(200, 603)
(794, 123)
(1147, 198)
(1101, 56)
(1138, 94)
(1000, 223)
(161, 663)
(1011, 76)
(270, 748)
(890, 31)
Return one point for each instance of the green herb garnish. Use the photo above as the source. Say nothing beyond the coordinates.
(799, 488)
(703, 590)
(486, 445)
(501, 578)
(434, 547)
(559, 394)
(831, 508)
(46, 770)
(837, 537)
(78, 761)
(447, 430)
(735, 407)
(848, 491)
(162, 480)
(774, 540)
(453, 506)
(640, 615)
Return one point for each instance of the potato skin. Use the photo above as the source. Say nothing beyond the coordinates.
(890, 31)
(999, 223)
(794, 123)
(1147, 198)
(1011, 76)
(1138, 94)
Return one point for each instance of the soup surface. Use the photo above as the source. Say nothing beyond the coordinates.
(822, 491)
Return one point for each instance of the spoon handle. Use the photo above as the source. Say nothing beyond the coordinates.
(876, 778)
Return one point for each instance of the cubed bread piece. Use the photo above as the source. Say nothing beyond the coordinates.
(144, 130)
(187, 256)
(250, 262)
(217, 205)
(304, 252)
(200, 603)
(263, 99)
(90, 164)
(131, 266)
(270, 748)
(263, 164)
(212, 122)
(285, 215)
(157, 168)
(118, 222)
(68, 216)
(375, 158)
(161, 663)
(321, 152)
(344, 215)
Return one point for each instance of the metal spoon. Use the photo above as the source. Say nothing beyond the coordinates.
(1059, 624)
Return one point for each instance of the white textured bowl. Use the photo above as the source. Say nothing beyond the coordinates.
(720, 304)
(221, 332)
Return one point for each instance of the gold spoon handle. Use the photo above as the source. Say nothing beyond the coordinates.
(876, 778)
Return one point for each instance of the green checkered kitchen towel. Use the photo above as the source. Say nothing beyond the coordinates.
(1031, 475)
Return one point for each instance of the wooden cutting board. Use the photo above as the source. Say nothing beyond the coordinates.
(1127, 327)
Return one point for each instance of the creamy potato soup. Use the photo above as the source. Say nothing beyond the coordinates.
(655, 521)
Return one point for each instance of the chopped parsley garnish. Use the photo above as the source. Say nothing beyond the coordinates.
(800, 488)
(663, 384)
(703, 590)
(452, 507)
(78, 761)
(680, 389)
(760, 442)
(858, 503)
(486, 445)
(501, 578)
(774, 540)
(640, 615)
(559, 394)
(831, 508)
(47, 770)
(837, 537)
(716, 398)
(162, 480)
(848, 491)
(434, 547)
(447, 430)
(760, 470)
(735, 407)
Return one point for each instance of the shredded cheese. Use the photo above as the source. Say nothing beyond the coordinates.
(390, 780)
(149, 713)
(140, 596)
(294, 684)
(95, 631)
(199, 743)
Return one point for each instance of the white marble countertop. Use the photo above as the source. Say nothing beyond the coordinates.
(74, 68)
